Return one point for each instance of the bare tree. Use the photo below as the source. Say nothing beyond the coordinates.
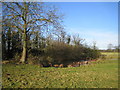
(68, 38)
(94, 45)
(28, 17)
(77, 40)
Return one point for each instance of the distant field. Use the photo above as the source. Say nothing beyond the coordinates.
(100, 75)
(110, 55)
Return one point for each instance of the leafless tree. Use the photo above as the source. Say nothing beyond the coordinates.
(29, 17)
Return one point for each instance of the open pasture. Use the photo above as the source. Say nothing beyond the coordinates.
(98, 75)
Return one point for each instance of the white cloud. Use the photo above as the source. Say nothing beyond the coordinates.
(102, 38)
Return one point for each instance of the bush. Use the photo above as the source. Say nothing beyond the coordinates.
(46, 61)
(61, 53)
(33, 59)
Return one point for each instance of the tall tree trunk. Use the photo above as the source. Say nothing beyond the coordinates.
(24, 52)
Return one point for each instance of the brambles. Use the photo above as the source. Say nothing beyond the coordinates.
(62, 53)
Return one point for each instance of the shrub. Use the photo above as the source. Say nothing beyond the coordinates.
(33, 59)
(61, 52)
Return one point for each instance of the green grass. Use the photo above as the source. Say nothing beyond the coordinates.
(110, 55)
(100, 75)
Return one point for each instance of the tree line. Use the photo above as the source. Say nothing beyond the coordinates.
(34, 33)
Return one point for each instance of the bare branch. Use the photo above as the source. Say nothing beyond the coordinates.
(11, 8)
(42, 19)
(13, 26)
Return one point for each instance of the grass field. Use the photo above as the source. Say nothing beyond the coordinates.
(111, 55)
(96, 75)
